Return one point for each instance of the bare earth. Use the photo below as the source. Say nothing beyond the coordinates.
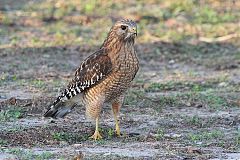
(184, 102)
(151, 128)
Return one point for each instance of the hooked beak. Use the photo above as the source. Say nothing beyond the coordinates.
(133, 30)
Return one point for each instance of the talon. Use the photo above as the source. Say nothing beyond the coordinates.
(117, 131)
(96, 136)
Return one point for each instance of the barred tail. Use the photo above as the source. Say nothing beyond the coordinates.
(59, 108)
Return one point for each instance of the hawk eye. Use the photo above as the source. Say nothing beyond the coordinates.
(123, 27)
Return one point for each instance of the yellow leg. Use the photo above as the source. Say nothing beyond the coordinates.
(117, 125)
(96, 135)
(115, 108)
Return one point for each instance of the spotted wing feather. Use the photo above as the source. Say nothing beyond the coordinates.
(91, 72)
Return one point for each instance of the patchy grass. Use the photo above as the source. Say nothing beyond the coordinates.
(61, 136)
(69, 137)
(11, 114)
(206, 138)
(38, 83)
(209, 99)
(160, 134)
(28, 154)
(5, 79)
(206, 99)
(176, 86)
(111, 133)
(3, 142)
(237, 139)
(185, 94)
(75, 22)
(195, 121)
(209, 15)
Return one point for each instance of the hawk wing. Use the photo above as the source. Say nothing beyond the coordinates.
(91, 72)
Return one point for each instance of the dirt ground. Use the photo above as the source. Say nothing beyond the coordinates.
(184, 102)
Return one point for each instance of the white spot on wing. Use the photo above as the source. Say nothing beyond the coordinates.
(78, 89)
(70, 94)
(74, 92)
(64, 98)
(92, 82)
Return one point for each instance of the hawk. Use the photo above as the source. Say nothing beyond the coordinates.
(102, 78)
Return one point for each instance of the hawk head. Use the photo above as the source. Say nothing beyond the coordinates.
(125, 29)
(122, 32)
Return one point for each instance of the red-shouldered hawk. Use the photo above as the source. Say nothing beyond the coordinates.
(103, 77)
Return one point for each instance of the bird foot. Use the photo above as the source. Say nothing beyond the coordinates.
(96, 136)
(117, 131)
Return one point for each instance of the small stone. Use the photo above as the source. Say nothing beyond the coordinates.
(222, 84)
(172, 135)
(77, 145)
(199, 143)
(188, 104)
(171, 61)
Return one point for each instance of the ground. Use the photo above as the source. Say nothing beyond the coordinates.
(183, 104)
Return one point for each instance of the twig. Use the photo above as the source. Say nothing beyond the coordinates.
(219, 39)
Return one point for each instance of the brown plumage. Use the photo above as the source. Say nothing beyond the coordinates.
(103, 77)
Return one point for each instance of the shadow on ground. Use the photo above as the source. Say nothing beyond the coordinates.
(183, 104)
